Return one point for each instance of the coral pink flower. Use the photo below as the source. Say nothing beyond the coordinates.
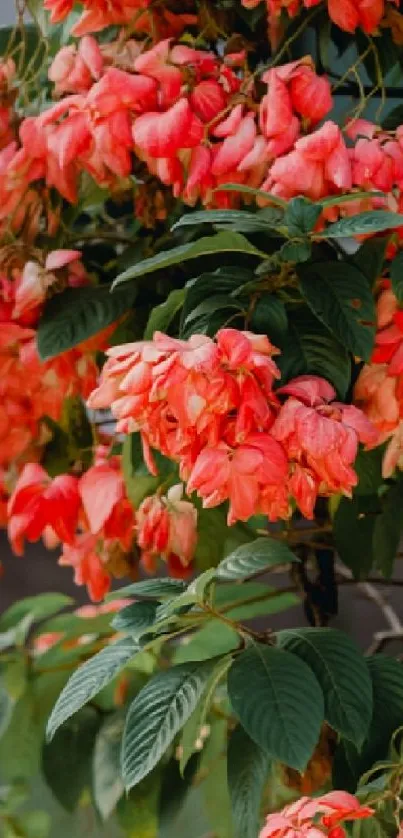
(89, 558)
(103, 494)
(38, 502)
(167, 527)
(329, 811)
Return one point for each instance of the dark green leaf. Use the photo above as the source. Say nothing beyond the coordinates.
(194, 725)
(157, 714)
(387, 682)
(225, 280)
(89, 679)
(223, 242)
(248, 767)
(240, 220)
(394, 119)
(295, 251)
(77, 314)
(353, 533)
(365, 223)
(301, 216)
(107, 781)
(396, 273)
(67, 760)
(211, 305)
(370, 257)
(310, 348)
(254, 557)
(136, 619)
(340, 296)
(279, 703)
(341, 672)
(387, 530)
(368, 467)
(151, 589)
(161, 317)
(269, 317)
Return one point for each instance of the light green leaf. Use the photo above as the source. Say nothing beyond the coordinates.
(248, 767)
(341, 672)
(20, 745)
(340, 296)
(15, 677)
(38, 607)
(89, 679)
(213, 639)
(194, 725)
(150, 589)
(372, 221)
(254, 557)
(223, 242)
(107, 781)
(279, 703)
(6, 709)
(396, 274)
(161, 316)
(157, 714)
(77, 314)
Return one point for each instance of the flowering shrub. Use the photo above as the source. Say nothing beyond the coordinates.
(201, 357)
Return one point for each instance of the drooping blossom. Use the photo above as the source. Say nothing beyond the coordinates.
(167, 528)
(316, 817)
(321, 437)
(39, 502)
(379, 388)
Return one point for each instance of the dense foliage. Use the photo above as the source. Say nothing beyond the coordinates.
(201, 357)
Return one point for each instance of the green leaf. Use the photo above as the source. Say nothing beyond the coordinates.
(6, 709)
(368, 466)
(310, 348)
(269, 317)
(137, 812)
(138, 480)
(339, 295)
(77, 314)
(250, 190)
(195, 723)
(240, 220)
(396, 274)
(150, 588)
(136, 619)
(227, 279)
(369, 828)
(35, 824)
(296, 251)
(157, 714)
(387, 530)
(394, 119)
(38, 607)
(279, 703)
(341, 672)
(274, 603)
(254, 557)
(210, 306)
(370, 257)
(372, 221)
(161, 316)
(248, 767)
(107, 781)
(353, 534)
(20, 745)
(223, 242)
(67, 760)
(213, 639)
(387, 682)
(301, 216)
(217, 800)
(15, 676)
(89, 679)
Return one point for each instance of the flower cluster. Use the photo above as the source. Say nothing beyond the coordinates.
(346, 14)
(139, 14)
(210, 406)
(379, 388)
(316, 817)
